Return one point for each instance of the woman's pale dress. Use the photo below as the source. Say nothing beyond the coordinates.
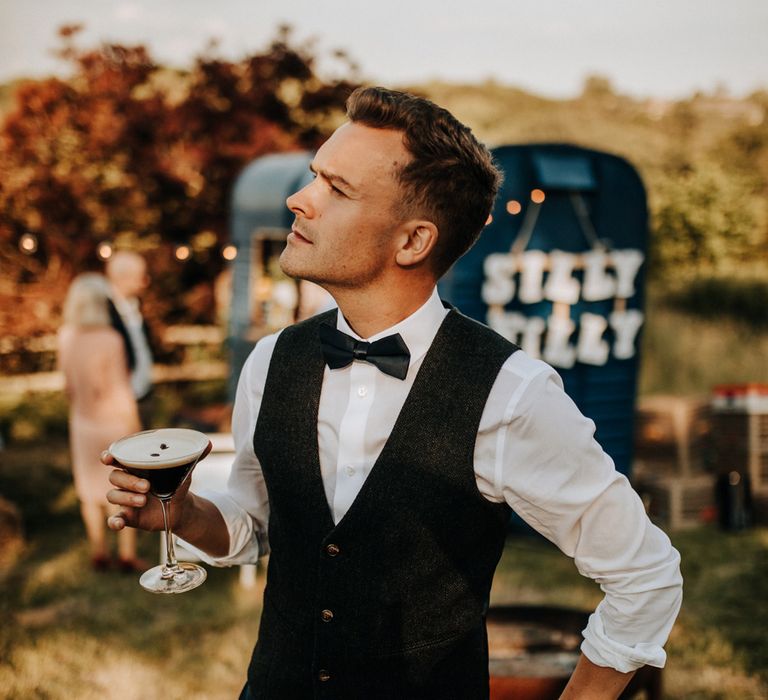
(102, 407)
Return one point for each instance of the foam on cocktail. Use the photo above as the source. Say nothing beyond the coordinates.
(159, 449)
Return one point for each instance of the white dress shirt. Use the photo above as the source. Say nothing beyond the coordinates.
(534, 450)
(141, 375)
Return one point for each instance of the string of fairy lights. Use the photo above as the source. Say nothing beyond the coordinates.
(29, 242)
(29, 245)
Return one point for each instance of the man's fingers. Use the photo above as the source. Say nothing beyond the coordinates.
(129, 482)
(116, 522)
(120, 520)
(119, 497)
(107, 458)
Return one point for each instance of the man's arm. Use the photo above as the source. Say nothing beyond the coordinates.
(551, 471)
(592, 682)
(203, 526)
(225, 528)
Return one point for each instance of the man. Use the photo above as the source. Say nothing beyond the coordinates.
(380, 473)
(128, 279)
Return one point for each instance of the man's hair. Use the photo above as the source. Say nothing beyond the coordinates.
(451, 179)
(86, 301)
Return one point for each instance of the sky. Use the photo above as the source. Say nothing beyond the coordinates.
(647, 48)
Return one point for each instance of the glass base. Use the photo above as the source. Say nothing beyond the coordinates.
(186, 577)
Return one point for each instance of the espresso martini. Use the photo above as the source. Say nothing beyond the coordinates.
(165, 458)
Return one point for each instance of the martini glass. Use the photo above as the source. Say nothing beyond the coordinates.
(165, 458)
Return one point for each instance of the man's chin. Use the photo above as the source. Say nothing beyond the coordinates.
(296, 272)
(289, 267)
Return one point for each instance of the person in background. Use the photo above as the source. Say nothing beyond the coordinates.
(313, 300)
(128, 279)
(102, 408)
(381, 447)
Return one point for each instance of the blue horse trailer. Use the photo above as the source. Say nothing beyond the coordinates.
(559, 269)
(260, 221)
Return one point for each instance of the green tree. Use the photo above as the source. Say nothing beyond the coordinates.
(706, 221)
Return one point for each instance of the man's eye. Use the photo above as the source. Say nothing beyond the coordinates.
(336, 190)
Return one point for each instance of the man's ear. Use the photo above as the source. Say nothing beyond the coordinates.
(418, 239)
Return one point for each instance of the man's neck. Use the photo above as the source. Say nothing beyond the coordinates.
(372, 311)
(116, 294)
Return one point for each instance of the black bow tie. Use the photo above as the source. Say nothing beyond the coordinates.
(389, 354)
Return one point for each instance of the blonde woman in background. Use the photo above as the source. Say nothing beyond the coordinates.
(102, 408)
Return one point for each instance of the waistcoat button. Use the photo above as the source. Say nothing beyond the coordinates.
(323, 675)
(332, 550)
(326, 615)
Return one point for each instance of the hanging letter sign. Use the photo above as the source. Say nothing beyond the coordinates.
(535, 276)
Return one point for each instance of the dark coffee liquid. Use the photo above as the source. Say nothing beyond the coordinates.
(163, 481)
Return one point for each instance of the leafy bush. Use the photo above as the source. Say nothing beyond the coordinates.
(713, 297)
(34, 417)
(705, 221)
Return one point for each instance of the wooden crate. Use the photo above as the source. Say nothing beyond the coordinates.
(671, 435)
(739, 436)
(678, 502)
(760, 507)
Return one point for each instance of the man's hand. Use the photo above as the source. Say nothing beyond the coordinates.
(592, 682)
(137, 507)
(193, 518)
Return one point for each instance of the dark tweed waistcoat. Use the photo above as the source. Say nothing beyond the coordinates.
(389, 603)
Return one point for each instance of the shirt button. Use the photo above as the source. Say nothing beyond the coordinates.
(326, 615)
(332, 550)
(362, 390)
(350, 470)
(323, 675)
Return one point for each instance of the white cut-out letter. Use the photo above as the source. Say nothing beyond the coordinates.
(598, 284)
(532, 276)
(561, 286)
(531, 341)
(509, 324)
(525, 331)
(499, 287)
(626, 325)
(591, 348)
(557, 351)
(627, 264)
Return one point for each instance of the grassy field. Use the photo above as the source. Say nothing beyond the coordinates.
(70, 633)
(685, 354)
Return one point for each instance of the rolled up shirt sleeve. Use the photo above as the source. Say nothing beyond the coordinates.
(554, 474)
(245, 505)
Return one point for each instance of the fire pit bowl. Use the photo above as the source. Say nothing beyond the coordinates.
(534, 649)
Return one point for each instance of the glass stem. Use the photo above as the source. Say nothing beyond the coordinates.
(171, 565)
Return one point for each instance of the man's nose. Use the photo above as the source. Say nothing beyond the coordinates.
(301, 202)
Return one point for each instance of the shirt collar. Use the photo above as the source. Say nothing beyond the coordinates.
(126, 306)
(417, 330)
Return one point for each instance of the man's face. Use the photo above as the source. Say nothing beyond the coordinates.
(139, 280)
(129, 276)
(343, 234)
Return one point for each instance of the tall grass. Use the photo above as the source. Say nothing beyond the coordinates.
(741, 298)
(687, 354)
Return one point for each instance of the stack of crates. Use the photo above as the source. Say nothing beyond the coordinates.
(739, 442)
(671, 458)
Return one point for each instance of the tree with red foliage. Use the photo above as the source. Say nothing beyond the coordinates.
(129, 152)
